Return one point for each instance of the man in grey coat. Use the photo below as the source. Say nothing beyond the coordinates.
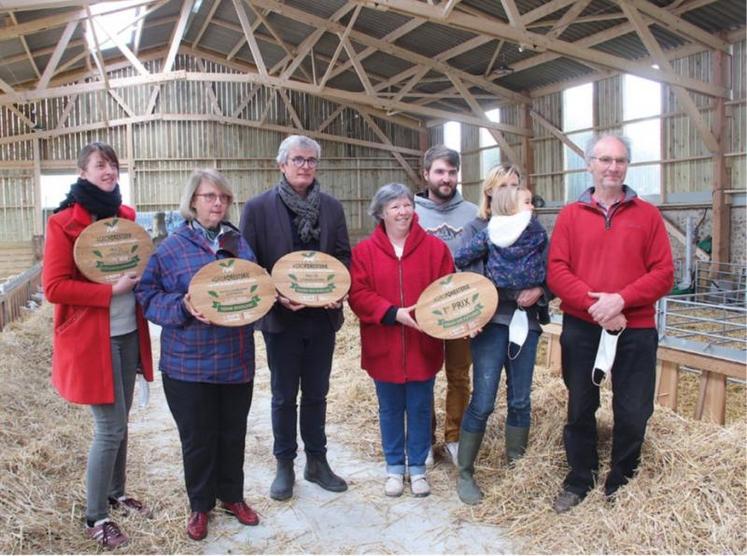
(294, 215)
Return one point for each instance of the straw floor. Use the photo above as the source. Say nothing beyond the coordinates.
(689, 497)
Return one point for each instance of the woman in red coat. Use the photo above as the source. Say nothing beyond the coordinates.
(100, 338)
(389, 271)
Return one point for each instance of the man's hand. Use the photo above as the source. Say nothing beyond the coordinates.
(290, 305)
(529, 297)
(336, 304)
(194, 312)
(615, 323)
(606, 306)
(404, 317)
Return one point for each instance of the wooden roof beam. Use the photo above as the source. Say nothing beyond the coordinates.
(250, 38)
(682, 95)
(25, 45)
(57, 55)
(388, 48)
(536, 41)
(207, 21)
(384, 139)
(340, 45)
(678, 25)
(480, 113)
(567, 18)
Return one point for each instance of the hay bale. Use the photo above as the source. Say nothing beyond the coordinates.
(689, 496)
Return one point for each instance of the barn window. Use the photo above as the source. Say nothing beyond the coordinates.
(112, 22)
(578, 121)
(490, 153)
(642, 124)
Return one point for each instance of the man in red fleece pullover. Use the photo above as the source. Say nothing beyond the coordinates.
(609, 262)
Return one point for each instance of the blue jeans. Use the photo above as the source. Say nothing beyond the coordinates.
(397, 401)
(489, 355)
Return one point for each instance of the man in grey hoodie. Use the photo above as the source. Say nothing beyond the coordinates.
(443, 212)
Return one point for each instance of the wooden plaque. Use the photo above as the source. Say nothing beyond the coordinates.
(232, 292)
(311, 278)
(455, 305)
(110, 248)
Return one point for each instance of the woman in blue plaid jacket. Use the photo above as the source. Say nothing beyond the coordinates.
(207, 370)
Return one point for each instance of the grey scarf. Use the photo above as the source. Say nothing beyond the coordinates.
(306, 210)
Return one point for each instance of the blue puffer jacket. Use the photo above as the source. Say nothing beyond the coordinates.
(191, 350)
(519, 266)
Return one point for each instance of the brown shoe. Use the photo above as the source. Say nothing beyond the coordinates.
(565, 501)
(129, 505)
(197, 526)
(243, 513)
(107, 534)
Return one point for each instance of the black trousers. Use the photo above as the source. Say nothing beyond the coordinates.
(633, 382)
(211, 419)
(300, 357)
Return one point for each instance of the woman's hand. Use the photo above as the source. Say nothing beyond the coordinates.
(529, 297)
(125, 284)
(194, 312)
(404, 317)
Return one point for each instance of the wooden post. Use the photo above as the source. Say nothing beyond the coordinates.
(721, 210)
(38, 224)
(712, 398)
(527, 144)
(666, 391)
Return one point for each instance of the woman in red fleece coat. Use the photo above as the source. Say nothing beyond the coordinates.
(100, 339)
(390, 270)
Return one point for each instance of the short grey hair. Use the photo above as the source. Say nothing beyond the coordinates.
(385, 195)
(210, 175)
(591, 144)
(297, 141)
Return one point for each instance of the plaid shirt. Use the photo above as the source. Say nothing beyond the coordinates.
(190, 350)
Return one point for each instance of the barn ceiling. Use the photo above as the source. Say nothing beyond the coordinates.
(423, 60)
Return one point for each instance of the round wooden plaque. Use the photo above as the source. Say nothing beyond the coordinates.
(232, 292)
(455, 305)
(311, 278)
(110, 248)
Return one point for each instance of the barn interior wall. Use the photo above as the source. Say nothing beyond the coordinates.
(160, 152)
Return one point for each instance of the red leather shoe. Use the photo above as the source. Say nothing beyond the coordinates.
(243, 513)
(197, 525)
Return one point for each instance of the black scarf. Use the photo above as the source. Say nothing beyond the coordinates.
(306, 210)
(100, 203)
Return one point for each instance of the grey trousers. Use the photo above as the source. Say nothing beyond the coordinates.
(107, 459)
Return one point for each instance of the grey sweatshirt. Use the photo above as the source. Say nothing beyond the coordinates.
(447, 220)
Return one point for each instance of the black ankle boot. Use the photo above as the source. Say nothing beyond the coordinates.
(282, 486)
(318, 471)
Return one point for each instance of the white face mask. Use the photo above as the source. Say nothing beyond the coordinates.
(605, 356)
(518, 330)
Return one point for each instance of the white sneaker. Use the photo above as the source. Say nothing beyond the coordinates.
(395, 485)
(429, 458)
(419, 485)
(452, 449)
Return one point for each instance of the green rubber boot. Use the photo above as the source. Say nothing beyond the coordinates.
(516, 442)
(469, 447)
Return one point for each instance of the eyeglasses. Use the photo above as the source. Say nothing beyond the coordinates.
(299, 161)
(608, 160)
(211, 197)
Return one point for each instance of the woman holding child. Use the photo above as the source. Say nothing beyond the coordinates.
(506, 244)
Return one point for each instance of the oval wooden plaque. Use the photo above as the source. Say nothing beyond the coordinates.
(232, 292)
(455, 305)
(311, 278)
(110, 248)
